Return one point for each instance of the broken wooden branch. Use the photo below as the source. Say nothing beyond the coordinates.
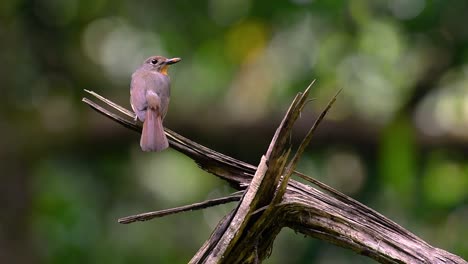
(196, 206)
(271, 201)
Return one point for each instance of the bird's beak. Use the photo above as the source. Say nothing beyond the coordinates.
(172, 61)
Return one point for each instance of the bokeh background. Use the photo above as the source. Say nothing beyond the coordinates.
(396, 140)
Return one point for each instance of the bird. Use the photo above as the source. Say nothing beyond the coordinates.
(149, 98)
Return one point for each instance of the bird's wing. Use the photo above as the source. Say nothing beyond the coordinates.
(145, 81)
(138, 95)
(163, 89)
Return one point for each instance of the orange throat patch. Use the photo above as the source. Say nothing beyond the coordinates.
(164, 69)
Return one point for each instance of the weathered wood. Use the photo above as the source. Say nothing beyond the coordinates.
(325, 214)
(196, 206)
(235, 243)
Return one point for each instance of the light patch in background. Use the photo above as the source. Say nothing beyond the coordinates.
(406, 9)
(345, 171)
(449, 113)
(245, 41)
(363, 81)
(118, 47)
(271, 69)
(249, 93)
(331, 50)
(382, 41)
(377, 80)
(424, 117)
(452, 108)
(226, 12)
(171, 176)
(292, 52)
(445, 110)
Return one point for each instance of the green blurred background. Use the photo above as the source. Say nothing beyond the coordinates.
(396, 140)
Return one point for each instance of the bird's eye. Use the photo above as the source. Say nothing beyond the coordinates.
(154, 61)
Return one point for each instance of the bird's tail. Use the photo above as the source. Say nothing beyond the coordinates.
(152, 136)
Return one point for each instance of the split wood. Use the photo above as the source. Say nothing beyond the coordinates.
(269, 200)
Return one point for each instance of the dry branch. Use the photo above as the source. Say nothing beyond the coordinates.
(271, 201)
(196, 206)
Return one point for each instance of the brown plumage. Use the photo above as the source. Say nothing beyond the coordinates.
(149, 97)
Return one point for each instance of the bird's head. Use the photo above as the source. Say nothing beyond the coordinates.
(160, 63)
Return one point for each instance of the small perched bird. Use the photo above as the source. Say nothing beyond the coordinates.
(149, 97)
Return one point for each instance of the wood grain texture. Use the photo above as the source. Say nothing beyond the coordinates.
(247, 233)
